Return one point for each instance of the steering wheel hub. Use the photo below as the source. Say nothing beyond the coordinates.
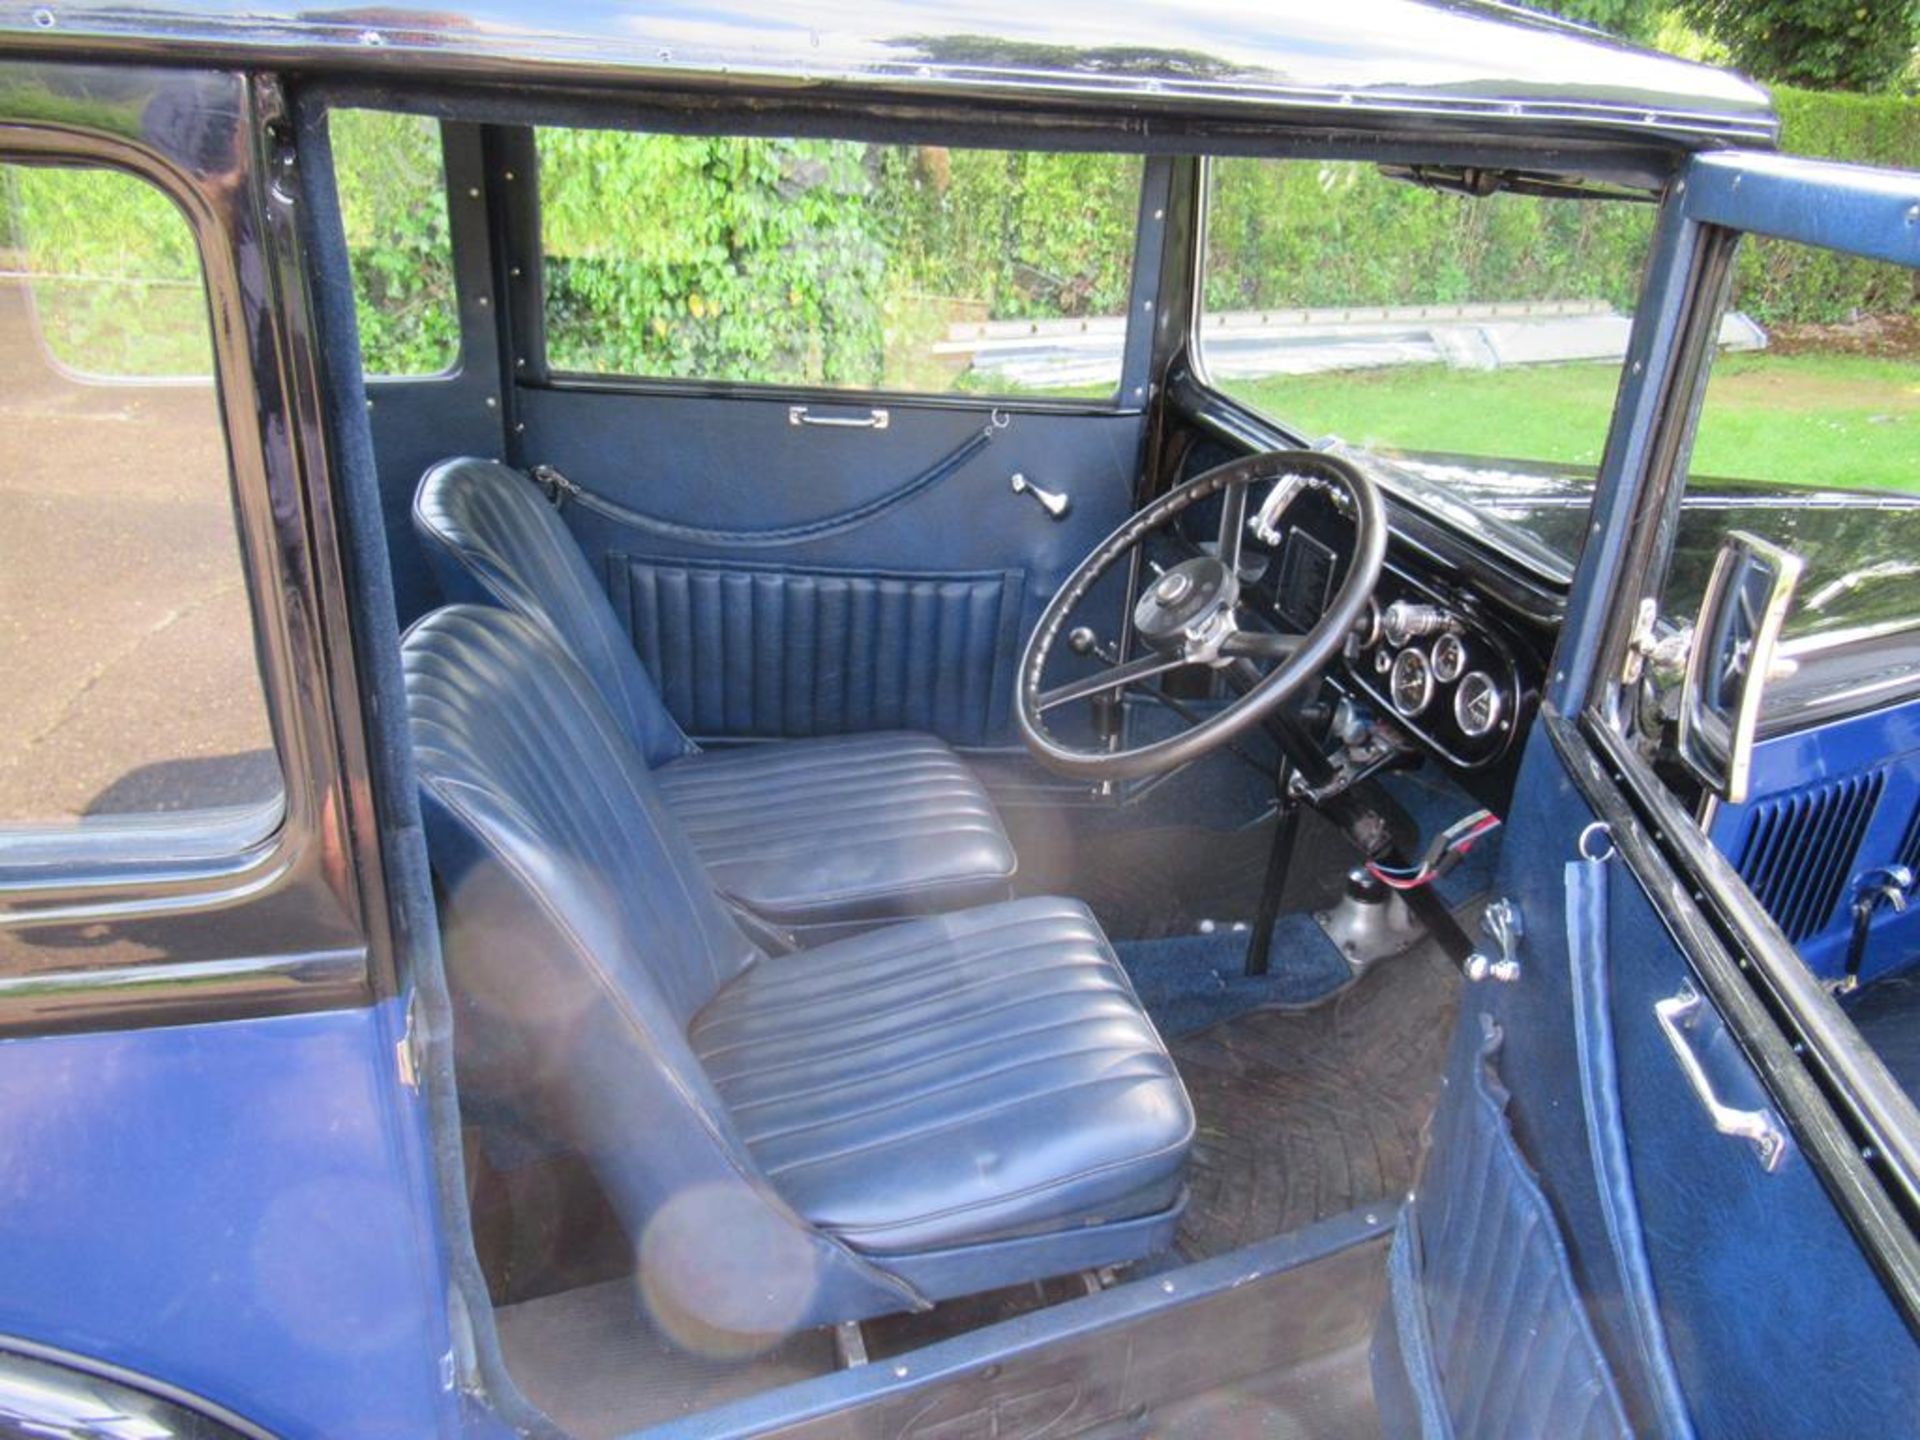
(1187, 605)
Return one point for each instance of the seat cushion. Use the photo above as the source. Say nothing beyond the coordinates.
(952, 1081)
(812, 832)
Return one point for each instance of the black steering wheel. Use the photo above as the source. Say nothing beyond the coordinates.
(1187, 616)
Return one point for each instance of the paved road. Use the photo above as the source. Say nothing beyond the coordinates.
(127, 672)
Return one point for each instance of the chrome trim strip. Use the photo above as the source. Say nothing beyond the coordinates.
(1820, 641)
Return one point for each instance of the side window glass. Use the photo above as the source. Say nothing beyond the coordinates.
(836, 263)
(132, 693)
(393, 207)
(1469, 344)
(1807, 442)
(1809, 438)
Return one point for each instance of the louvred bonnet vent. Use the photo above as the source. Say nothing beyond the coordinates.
(1800, 847)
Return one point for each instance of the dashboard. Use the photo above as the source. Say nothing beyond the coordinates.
(1435, 657)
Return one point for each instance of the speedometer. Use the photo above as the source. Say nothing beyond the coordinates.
(1411, 684)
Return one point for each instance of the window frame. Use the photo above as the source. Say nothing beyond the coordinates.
(533, 367)
(291, 921)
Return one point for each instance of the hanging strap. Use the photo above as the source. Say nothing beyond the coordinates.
(1587, 949)
(560, 490)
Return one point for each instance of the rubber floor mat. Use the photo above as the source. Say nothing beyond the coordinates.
(1305, 1114)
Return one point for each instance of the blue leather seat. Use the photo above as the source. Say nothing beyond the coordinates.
(932, 1108)
(808, 834)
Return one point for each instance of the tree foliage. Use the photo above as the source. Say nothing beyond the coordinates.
(1861, 45)
(831, 262)
(814, 261)
(115, 277)
(393, 206)
(1300, 233)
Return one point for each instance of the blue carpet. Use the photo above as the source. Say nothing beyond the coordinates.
(1435, 802)
(1188, 982)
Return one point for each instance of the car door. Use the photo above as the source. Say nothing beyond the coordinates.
(212, 1137)
(829, 425)
(1668, 1191)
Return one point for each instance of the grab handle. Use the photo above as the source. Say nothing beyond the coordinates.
(875, 419)
(1677, 1015)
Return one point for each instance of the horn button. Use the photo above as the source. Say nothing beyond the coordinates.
(1188, 608)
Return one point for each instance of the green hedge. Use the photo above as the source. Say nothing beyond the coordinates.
(1299, 233)
(814, 261)
(1291, 233)
(1783, 284)
(833, 261)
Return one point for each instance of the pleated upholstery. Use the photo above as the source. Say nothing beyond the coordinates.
(952, 1080)
(1506, 1329)
(581, 935)
(877, 1111)
(818, 831)
(494, 540)
(777, 652)
(824, 831)
(515, 746)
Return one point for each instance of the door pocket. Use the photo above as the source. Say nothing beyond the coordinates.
(766, 652)
(1484, 1311)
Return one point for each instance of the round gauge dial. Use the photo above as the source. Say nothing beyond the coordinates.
(1449, 658)
(1477, 705)
(1411, 684)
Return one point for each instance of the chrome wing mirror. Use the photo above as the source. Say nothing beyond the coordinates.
(1735, 647)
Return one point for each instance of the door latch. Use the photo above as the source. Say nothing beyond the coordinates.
(1890, 885)
(1055, 502)
(1501, 921)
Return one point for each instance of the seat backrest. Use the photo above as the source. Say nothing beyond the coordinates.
(581, 935)
(494, 540)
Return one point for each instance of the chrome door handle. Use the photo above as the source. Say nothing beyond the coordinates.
(875, 419)
(1055, 502)
(1758, 1128)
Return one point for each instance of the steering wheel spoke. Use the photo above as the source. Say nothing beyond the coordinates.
(1114, 678)
(1261, 645)
(1233, 526)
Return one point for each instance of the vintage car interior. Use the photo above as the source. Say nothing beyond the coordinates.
(882, 896)
(966, 777)
(908, 859)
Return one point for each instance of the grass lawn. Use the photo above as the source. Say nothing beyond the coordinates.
(1844, 420)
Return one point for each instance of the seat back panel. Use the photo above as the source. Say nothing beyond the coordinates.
(493, 540)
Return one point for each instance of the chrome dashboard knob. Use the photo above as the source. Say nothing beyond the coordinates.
(1405, 620)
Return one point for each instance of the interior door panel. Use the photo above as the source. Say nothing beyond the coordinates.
(1486, 1323)
(1749, 1264)
(1774, 1321)
(783, 579)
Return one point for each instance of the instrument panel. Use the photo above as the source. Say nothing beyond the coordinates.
(1429, 660)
